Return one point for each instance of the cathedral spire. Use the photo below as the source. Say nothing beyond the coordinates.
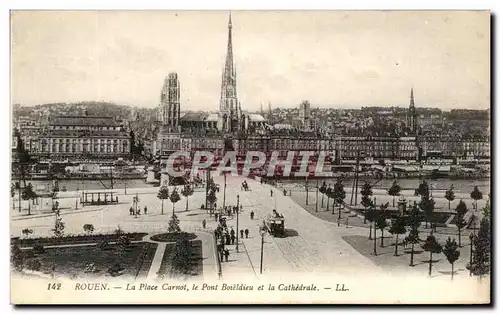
(229, 67)
(229, 106)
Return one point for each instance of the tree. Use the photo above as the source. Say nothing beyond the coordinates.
(414, 220)
(163, 195)
(23, 158)
(212, 199)
(398, 226)
(323, 189)
(173, 224)
(487, 209)
(58, 227)
(482, 249)
(88, 228)
(394, 191)
(16, 257)
(476, 195)
(13, 188)
(426, 202)
(450, 196)
(27, 232)
(187, 192)
(432, 246)
(423, 189)
(181, 258)
(381, 221)
(53, 195)
(29, 194)
(452, 253)
(371, 216)
(338, 195)
(427, 206)
(174, 198)
(328, 192)
(366, 201)
(460, 222)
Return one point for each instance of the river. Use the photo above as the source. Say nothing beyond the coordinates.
(460, 185)
(73, 185)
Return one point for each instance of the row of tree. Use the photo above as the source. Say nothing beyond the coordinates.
(174, 197)
(401, 223)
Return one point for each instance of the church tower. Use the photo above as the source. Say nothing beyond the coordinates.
(170, 101)
(229, 106)
(412, 114)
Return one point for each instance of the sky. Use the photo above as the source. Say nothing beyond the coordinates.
(339, 59)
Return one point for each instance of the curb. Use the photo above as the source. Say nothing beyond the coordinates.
(50, 215)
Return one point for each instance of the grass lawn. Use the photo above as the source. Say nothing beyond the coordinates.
(72, 261)
(196, 259)
(385, 255)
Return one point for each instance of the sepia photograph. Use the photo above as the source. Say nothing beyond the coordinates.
(250, 157)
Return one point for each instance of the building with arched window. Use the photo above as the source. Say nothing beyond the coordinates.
(85, 136)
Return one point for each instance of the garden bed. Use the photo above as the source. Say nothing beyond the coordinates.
(196, 259)
(74, 261)
(78, 239)
(173, 237)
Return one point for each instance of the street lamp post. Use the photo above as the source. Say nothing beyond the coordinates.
(237, 221)
(136, 200)
(224, 196)
(471, 238)
(307, 192)
(317, 197)
(262, 234)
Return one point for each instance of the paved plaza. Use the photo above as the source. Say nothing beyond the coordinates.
(311, 246)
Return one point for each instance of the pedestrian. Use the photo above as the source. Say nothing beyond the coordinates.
(145, 210)
(241, 208)
(271, 193)
(226, 254)
(232, 231)
(246, 233)
(252, 214)
(216, 216)
(233, 238)
(347, 222)
(139, 211)
(131, 210)
(204, 224)
(241, 233)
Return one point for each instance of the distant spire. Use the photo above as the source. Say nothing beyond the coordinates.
(261, 109)
(412, 100)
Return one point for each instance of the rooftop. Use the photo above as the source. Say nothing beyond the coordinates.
(84, 120)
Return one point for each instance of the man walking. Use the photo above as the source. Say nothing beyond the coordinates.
(241, 233)
(204, 224)
(246, 233)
